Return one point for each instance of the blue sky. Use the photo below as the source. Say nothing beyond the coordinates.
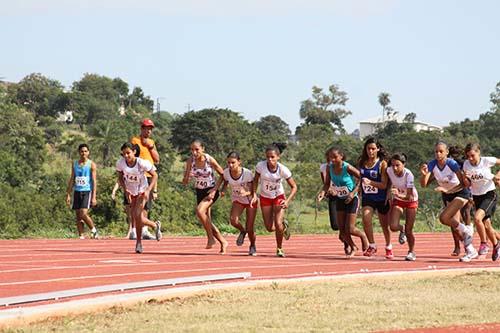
(438, 59)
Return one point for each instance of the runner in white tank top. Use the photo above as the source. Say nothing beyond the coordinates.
(451, 184)
(405, 200)
(482, 183)
(132, 179)
(240, 181)
(201, 167)
(272, 195)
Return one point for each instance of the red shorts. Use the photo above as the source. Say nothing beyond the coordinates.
(266, 202)
(245, 205)
(405, 204)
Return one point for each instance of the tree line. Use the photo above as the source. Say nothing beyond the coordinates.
(37, 147)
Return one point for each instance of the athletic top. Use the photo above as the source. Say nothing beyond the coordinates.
(403, 183)
(322, 169)
(83, 178)
(446, 177)
(481, 175)
(134, 177)
(344, 183)
(204, 176)
(270, 182)
(370, 192)
(239, 185)
(144, 153)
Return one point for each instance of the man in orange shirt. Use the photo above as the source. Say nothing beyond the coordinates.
(148, 152)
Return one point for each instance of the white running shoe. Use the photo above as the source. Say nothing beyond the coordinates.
(411, 256)
(158, 234)
(147, 235)
(470, 254)
(252, 251)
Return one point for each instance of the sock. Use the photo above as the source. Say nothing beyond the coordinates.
(461, 228)
(389, 247)
(94, 229)
(373, 245)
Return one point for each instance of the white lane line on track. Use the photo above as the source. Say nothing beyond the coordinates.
(212, 269)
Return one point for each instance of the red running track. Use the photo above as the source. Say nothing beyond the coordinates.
(40, 266)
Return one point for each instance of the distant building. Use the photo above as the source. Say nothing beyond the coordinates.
(369, 126)
(66, 116)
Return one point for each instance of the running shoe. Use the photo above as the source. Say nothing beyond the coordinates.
(280, 253)
(132, 235)
(138, 248)
(402, 237)
(389, 254)
(483, 249)
(241, 238)
(286, 230)
(411, 256)
(470, 254)
(158, 231)
(94, 234)
(146, 234)
(252, 251)
(370, 251)
(496, 252)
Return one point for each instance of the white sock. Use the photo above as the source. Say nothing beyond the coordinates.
(373, 245)
(133, 230)
(94, 229)
(389, 247)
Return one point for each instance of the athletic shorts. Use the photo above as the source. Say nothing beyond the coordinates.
(382, 207)
(266, 202)
(81, 200)
(405, 204)
(348, 208)
(202, 193)
(486, 202)
(148, 204)
(463, 193)
(245, 205)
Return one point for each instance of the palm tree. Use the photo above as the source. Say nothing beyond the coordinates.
(384, 100)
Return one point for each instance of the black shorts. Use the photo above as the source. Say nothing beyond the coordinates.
(463, 193)
(382, 207)
(350, 208)
(486, 202)
(81, 200)
(202, 193)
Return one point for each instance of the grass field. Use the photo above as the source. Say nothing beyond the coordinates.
(356, 305)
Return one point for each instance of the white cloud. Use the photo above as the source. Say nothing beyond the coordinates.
(200, 7)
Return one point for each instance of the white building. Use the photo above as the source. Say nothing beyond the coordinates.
(369, 126)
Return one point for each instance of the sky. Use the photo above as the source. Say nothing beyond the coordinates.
(437, 59)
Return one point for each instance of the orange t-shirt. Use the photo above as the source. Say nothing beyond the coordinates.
(145, 154)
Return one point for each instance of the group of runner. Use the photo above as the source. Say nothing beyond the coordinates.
(377, 183)
(387, 187)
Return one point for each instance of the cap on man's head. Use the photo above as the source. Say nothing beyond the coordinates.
(147, 123)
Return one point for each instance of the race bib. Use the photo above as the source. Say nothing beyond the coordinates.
(240, 191)
(203, 182)
(402, 192)
(342, 191)
(369, 189)
(82, 181)
(271, 187)
(132, 178)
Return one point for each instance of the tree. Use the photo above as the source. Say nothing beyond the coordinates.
(221, 130)
(326, 108)
(40, 95)
(22, 151)
(384, 100)
(273, 128)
